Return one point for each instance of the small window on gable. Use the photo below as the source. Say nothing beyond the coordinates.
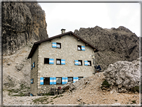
(80, 48)
(58, 61)
(70, 79)
(58, 80)
(46, 81)
(56, 45)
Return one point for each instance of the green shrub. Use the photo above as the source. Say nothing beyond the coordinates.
(105, 84)
(135, 89)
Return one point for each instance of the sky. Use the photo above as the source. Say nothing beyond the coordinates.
(71, 16)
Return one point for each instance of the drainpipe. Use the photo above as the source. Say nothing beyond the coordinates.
(93, 57)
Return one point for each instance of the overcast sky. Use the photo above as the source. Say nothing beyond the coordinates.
(71, 16)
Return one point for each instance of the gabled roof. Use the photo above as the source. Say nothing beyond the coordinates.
(58, 36)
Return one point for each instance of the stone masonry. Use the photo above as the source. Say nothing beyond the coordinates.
(68, 52)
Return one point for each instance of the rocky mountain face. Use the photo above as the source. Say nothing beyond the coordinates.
(22, 23)
(115, 44)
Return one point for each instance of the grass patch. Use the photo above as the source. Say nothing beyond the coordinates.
(105, 84)
(22, 87)
(42, 100)
(55, 97)
(115, 100)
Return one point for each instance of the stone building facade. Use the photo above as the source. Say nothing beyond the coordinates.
(59, 59)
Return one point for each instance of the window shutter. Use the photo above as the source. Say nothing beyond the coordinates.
(62, 61)
(31, 81)
(75, 79)
(83, 48)
(76, 62)
(52, 80)
(33, 64)
(51, 61)
(54, 45)
(41, 80)
(31, 67)
(64, 80)
(86, 63)
(31, 94)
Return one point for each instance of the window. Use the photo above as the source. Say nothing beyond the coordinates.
(46, 81)
(32, 81)
(80, 78)
(58, 61)
(78, 62)
(56, 45)
(87, 63)
(75, 79)
(58, 80)
(48, 61)
(33, 64)
(70, 79)
(80, 48)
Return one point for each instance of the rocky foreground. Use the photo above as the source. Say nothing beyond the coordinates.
(86, 91)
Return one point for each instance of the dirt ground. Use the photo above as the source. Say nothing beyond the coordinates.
(85, 94)
(93, 94)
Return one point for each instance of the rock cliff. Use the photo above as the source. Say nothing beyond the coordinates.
(115, 44)
(22, 23)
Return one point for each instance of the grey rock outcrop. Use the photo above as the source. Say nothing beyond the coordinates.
(22, 23)
(115, 44)
(123, 74)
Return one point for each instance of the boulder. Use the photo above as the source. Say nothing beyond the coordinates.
(123, 74)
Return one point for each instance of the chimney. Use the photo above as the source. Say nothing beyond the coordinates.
(63, 31)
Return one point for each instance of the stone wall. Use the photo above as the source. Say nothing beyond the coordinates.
(68, 52)
(34, 73)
